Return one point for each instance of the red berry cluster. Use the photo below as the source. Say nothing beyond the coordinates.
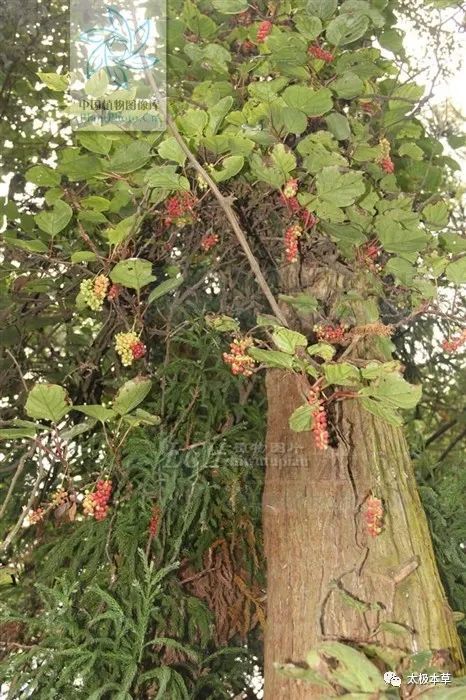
(387, 165)
(292, 235)
(263, 32)
(138, 350)
(154, 521)
(209, 241)
(319, 420)
(331, 334)
(239, 361)
(317, 52)
(307, 218)
(179, 208)
(455, 344)
(385, 161)
(96, 503)
(374, 516)
(113, 292)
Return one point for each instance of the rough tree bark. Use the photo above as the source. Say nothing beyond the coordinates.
(315, 534)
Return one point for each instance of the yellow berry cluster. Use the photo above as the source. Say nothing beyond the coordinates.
(94, 291)
(125, 344)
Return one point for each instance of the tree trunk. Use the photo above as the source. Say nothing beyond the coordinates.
(319, 552)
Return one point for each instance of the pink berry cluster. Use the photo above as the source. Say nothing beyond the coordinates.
(94, 291)
(289, 199)
(455, 344)
(263, 31)
(95, 504)
(208, 241)
(374, 516)
(154, 521)
(239, 361)
(179, 209)
(331, 334)
(317, 52)
(385, 160)
(129, 347)
(319, 420)
(292, 235)
(114, 292)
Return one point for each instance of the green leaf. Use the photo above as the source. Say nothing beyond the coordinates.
(231, 166)
(272, 358)
(55, 220)
(95, 142)
(348, 86)
(80, 256)
(129, 158)
(354, 671)
(284, 159)
(97, 84)
(346, 28)
(171, 150)
(121, 231)
(16, 433)
(288, 341)
(401, 269)
(393, 628)
(301, 419)
(323, 350)
(436, 215)
(342, 374)
(301, 302)
(395, 391)
(43, 176)
(217, 114)
(36, 246)
(47, 402)
(314, 103)
(222, 323)
(308, 26)
(165, 287)
(134, 273)
(230, 7)
(294, 121)
(322, 8)
(166, 177)
(96, 411)
(55, 82)
(339, 126)
(80, 167)
(95, 202)
(411, 150)
(339, 189)
(456, 271)
(131, 394)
